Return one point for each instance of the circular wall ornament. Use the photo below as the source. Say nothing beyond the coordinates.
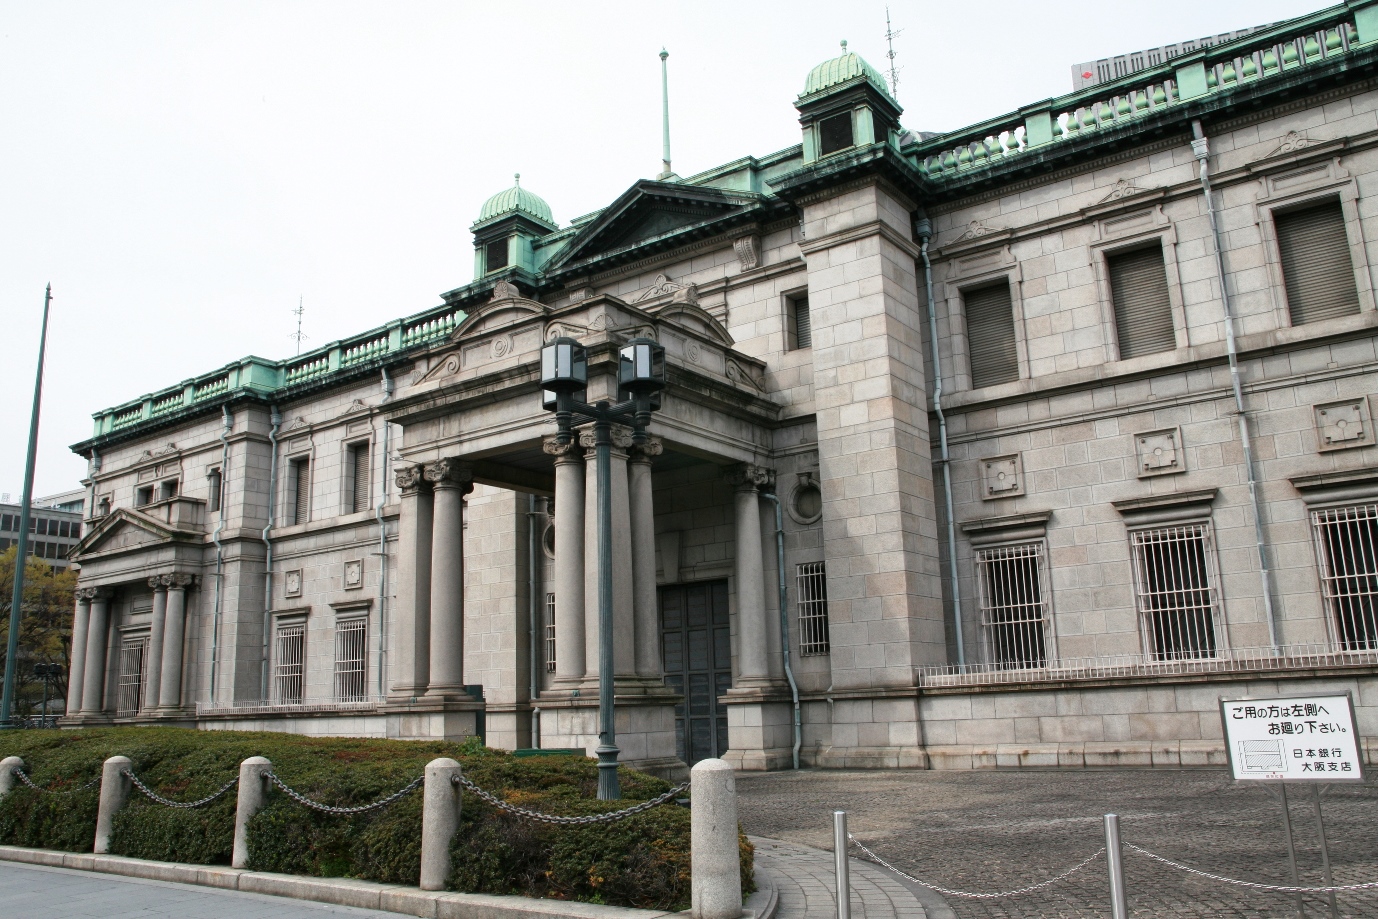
(805, 504)
(548, 540)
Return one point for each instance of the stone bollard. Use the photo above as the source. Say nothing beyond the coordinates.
(253, 794)
(439, 821)
(7, 776)
(715, 856)
(114, 792)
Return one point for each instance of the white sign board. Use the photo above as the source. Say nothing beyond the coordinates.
(1294, 739)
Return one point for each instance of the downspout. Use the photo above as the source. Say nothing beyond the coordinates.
(1200, 146)
(923, 228)
(383, 544)
(532, 590)
(227, 425)
(784, 620)
(276, 419)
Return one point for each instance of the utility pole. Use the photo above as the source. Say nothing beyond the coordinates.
(299, 335)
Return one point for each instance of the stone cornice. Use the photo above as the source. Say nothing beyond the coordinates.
(861, 231)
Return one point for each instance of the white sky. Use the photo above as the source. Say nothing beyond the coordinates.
(182, 172)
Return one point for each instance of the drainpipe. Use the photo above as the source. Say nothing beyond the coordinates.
(276, 419)
(383, 545)
(227, 425)
(533, 590)
(1200, 146)
(784, 620)
(923, 228)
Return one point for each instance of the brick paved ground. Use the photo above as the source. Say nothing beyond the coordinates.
(806, 883)
(987, 831)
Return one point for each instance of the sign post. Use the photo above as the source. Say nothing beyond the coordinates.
(1311, 739)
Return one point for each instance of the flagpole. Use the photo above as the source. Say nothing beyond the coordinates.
(25, 508)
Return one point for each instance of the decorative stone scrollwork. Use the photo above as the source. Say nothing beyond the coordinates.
(642, 453)
(1122, 189)
(552, 447)
(1293, 142)
(159, 581)
(748, 252)
(737, 374)
(621, 437)
(180, 581)
(409, 478)
(87, 593)
(450, 473)
(749, 475)
(975, 230)
(505, 290)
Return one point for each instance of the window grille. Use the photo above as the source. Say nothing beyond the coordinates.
(289, 669)
(812, 583)
(358, 478)
(990, 335)
(1013, 607)
(835, 133)
(1316, 268)
(550, 633)
(1143, 310)
(495, 255)
(351, 660)
(799, 324)
(1174, 584)
(300, 483)
(1347, 542)
(129, 694)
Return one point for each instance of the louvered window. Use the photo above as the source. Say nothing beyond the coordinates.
(299, 481)
(990, 335)
(835, 133)
(1143, 310)
(1316, 267)
(495, 255)
(798, 324)
(358, 478)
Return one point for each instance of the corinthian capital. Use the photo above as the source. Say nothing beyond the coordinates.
(180, 581)
(158, 582)
(450, 473)
(409, 478)
(552, 447)
(621, 437)
(749, 475)
(653, 446)
(87, 593)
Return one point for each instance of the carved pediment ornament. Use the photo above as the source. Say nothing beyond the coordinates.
(976, 229)
(1293, 142)
(683, 293)
(749, 475)
(1122, 189)
(354, 407)
(505, 290)
(737, 374)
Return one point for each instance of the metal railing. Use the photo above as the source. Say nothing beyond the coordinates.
(305, 705)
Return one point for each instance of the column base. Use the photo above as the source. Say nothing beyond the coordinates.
(760, 730)
(645, 723)
(434, 719)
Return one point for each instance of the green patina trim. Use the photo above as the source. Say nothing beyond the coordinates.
(845, 68)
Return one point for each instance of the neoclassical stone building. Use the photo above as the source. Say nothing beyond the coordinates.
(1065, 419)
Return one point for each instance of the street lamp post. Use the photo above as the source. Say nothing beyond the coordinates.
(640, 378)
(47, 673)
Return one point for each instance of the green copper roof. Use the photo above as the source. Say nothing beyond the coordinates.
(516, 198)
(841, 69)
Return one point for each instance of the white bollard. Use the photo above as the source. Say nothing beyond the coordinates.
(715, 856)
(253, 794)
(114, 792)
(439, 820)
(7, 776)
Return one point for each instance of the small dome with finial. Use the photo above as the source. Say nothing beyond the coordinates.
(516, 199)
(848, 66)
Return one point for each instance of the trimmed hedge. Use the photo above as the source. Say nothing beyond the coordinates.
(640, 861)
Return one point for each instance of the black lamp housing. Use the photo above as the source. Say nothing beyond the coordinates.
(641, 372)
(564, 370)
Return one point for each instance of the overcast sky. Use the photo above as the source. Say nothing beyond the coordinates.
(183, 172)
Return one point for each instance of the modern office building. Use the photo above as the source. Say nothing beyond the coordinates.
(55, 524)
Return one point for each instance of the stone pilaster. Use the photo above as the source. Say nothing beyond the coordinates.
(170, 679)
(157, 625)
(753, 652)
(645, 606)
(450, 480)
(569, 560)
(410, 665)
(97, 644)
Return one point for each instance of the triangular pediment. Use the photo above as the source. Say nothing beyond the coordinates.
(126, 529)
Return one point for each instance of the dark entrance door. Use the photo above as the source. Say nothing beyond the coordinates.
(697, 649)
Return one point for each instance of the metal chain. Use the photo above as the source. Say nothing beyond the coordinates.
(1256, 886)
(551, 818)
(154, 796)
(330, 809)
(971, 895)
(48, 791)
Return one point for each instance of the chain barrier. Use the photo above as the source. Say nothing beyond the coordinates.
(973, 895)
(331, 809)
(551, 818)
(159, 799)
(48, 791)
(1252, 884)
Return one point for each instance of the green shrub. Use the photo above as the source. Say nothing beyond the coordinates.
(640, 861)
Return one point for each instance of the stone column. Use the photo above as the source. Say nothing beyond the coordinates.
(81, 623)
(97, 640)
(646, 608)
(569, 560)
(411, 667)
(170, 680)
(451, 481)
(753, 631)
(155, 642)
(624, 629)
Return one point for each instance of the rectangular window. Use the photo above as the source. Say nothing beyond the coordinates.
(811, 580)
(835, 133)
(167, 490)
(1143, 310)
(64, 529)
(214, 485)
(76, 530)
(495, 255)
(798, 324)
(299, 490)
(358, 478)
(143, 496)
(1316, 268)
(990, 335)
(1347, 542)
(550, 633)
(289, 666)
(351, 660)
(129, 685)
(1174, 586)
(7, 522)
(1013, 608)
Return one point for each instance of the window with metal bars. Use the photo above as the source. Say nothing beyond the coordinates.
(811, 580)
(1143, 309)
(1174, 586)
(299, 490)
(1317, 271)
(1014, 616)
(358, 480)
(129, 686)
(550, 633)
(351, 659)
(1347, 543)
(798, 324)
(289, 664)
(994, 356)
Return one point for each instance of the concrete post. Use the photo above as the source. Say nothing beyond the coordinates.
(81, 623)
(439, 821)
(450, 481)
(569, 560)
(253, 794)
(157, 630)
(7, 776)
(645, 605)
(114, 792)
(170, 678)
(93, 672)
(714, 854)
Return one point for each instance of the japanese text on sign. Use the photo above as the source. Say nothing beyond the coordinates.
(1295, 739)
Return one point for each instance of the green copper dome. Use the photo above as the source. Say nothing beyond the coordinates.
(842, 69)
(516, 198)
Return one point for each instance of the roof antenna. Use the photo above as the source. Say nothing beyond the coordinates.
(299, 335)
(890, 35)
(665, 171)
